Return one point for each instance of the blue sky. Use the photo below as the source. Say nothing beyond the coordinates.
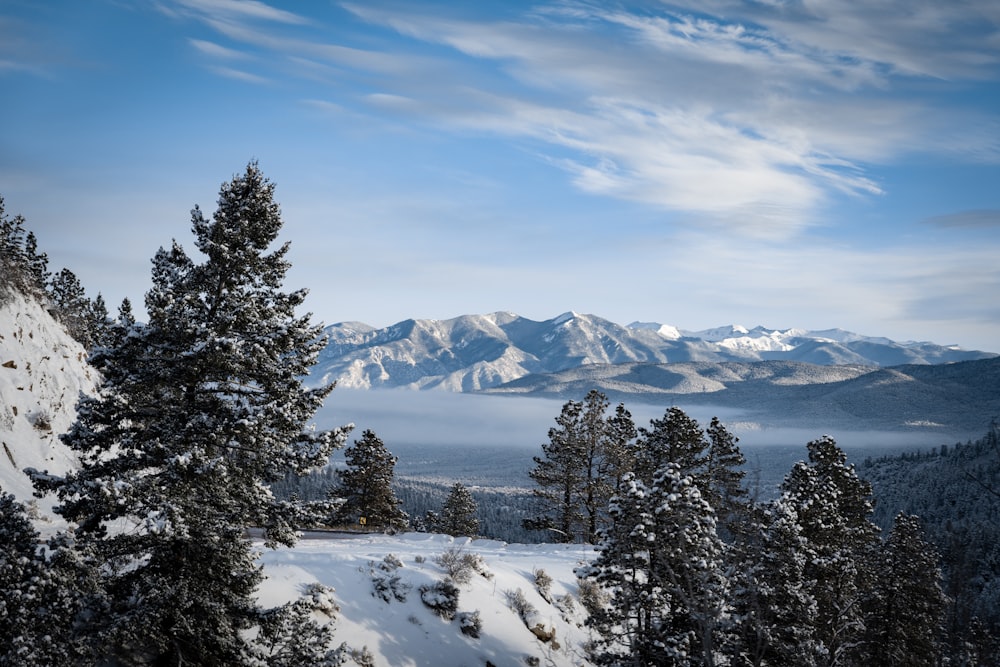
(806, 164)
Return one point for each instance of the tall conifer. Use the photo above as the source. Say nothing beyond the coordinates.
(200, 409)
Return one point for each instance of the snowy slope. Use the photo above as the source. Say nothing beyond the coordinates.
(42, 374)
(402, 633)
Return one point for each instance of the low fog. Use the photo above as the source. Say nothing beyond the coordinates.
(402, 417)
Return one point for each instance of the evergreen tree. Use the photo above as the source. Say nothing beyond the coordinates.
(661, 561)
(585, 457)
(906, 610)
(675, 438)
(37, 263)
(71, 307)
(21, 266)
(366, 486)
(772, 608)
(559, 473)
(43, 590)
(458, 514)
(833, 507)
(98, 323)
(723, 487)
(200, 409)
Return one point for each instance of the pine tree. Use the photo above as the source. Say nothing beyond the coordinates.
(366, 486)
(99, 325)
(772, 608)
(200, 409)
(906, 609)
(43, 592)
(21, 266)
(585, 457)
(723, 487)
(559, 473)
(833, 507)
(458, 514)
(661, 561)
(675, 438)
(37, 263)
(71, 307)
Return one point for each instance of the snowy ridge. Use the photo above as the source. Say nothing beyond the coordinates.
(477, 352)
(43, 371)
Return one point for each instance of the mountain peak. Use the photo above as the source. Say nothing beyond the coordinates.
(565, 317)
(475, 352)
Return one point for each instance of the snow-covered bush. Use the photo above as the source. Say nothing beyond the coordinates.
(291, 635)
(470, 623)
(391, 562)
(387, 585)
(441, 597)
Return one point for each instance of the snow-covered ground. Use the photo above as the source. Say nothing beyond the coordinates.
(42, 374)
(407, 632)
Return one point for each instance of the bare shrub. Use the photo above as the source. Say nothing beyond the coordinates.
(592, 596)
(461, 566)
(543, 584)
(521, 606)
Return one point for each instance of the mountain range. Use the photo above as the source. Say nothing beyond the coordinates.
(480, 352)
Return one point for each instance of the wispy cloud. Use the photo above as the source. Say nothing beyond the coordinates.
(975, 218)
(230, 10)
(239, 75)
(749, 116)
(214, 50)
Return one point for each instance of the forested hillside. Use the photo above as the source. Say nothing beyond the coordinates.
(955, 490)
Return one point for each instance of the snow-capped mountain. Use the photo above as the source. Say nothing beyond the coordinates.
(43, 371)
(475, 352)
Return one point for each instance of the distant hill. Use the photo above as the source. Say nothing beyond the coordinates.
(961, 397)
(477, 352)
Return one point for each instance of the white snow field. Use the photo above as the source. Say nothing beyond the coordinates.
(406, 632)
(43, 371)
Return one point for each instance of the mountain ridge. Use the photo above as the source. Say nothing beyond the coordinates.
(480, 352)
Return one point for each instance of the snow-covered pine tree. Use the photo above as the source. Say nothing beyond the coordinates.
(833, 505)
(458, 514)
(661, 561)
(71, 306)
(199, 410)
(366, 486)
(906, 606)
(674, 438)
(772, 609)
(723, 487)
(43, 590)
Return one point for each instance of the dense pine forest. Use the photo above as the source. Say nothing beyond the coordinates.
(202, 430)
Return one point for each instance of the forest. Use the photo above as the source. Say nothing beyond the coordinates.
(202, 430)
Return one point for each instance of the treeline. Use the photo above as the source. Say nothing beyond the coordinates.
(956, 492)
(695, 571)
(24, 268)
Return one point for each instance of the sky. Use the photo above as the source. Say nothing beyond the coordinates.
(809, 164)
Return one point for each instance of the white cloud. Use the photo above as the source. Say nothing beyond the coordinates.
(241, 10)
(239, 75)
(217, 50)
